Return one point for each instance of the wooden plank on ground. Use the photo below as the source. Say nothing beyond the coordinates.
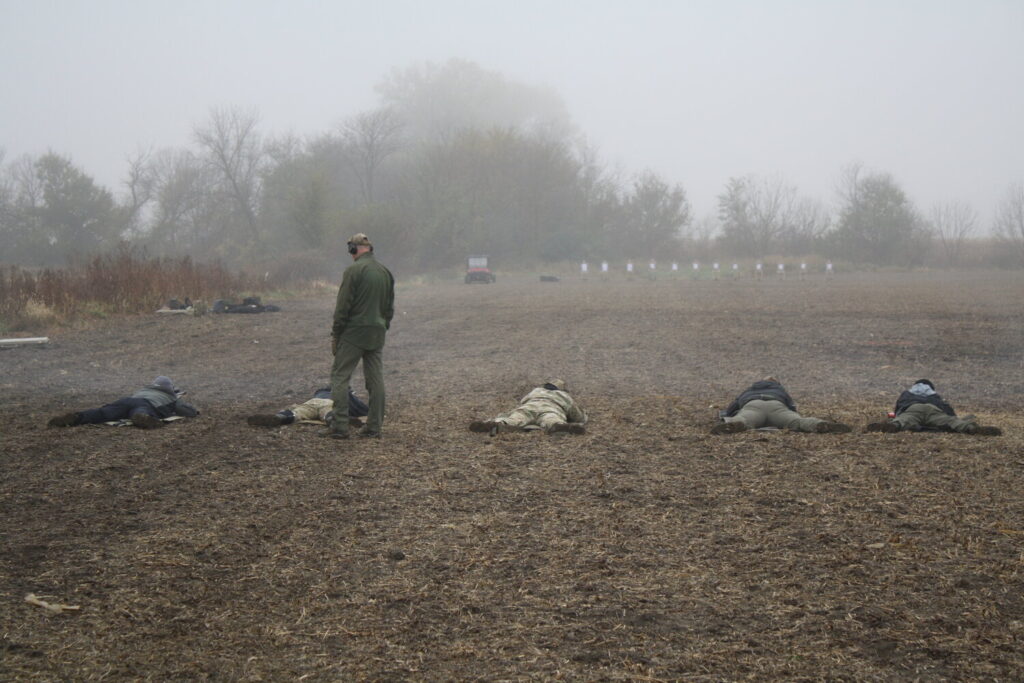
(24, 341)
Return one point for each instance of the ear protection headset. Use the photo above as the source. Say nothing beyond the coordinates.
(352, 248)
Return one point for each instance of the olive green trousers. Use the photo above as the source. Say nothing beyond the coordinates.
(759, 413)
(346, 358)
(925, 415)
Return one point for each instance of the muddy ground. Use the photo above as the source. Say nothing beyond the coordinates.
(646, 549)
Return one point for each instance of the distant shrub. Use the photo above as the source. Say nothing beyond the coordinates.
(300, 268)
(123, 281)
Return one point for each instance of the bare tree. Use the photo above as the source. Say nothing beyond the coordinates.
(953, 223)
(139, 184)
(28, 186)
(369, 138)
(282, 149)
(8, 213)
(1008, 228)
(806, 224)
(600, 206)
(231, 140)
(756, 214)
(6, 183)
(848, 185)
(772, 206)
(183, 213)
(702, 235)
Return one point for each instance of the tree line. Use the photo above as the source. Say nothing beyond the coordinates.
(454, 160)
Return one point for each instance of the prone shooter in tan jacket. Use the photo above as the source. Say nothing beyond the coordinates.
(548, 407)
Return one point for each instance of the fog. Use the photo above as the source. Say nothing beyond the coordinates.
(696, 92)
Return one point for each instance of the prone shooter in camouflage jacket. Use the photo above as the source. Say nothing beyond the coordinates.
(548, 407)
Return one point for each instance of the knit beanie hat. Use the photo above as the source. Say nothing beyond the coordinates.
(164, 383)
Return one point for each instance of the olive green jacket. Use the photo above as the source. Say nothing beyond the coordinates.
(366, 304)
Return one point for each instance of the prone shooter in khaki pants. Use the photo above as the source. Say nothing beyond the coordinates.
(921, 408)
(767, 404)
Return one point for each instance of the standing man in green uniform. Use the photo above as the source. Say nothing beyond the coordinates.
(362, 316)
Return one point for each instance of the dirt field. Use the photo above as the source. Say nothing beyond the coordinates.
(646, 549)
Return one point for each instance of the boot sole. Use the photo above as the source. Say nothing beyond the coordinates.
(729, 428)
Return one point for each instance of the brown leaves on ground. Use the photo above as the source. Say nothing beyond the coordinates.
(646, 549)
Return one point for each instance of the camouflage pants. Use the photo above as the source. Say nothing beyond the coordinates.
(527, 416)
(925, 415)
(759, 413)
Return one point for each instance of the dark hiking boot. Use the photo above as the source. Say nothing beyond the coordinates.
(485, 426)
(331, 434)
(65, 420)
(884, 427)
(265, 420)
(832, 428)
(143, 421)
(729, 428)
(567, 428)
(366, 433)
(986, 431)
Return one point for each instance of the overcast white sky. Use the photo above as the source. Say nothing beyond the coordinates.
(930, 91)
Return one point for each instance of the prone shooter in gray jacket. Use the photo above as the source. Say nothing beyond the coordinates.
(145, 408)
(766, 403)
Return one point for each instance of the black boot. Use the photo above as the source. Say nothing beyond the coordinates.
(567, 428)
(144, 421)
(987, 431)
(65, 420)
(265, 420)
(734, 427)
(832, 428)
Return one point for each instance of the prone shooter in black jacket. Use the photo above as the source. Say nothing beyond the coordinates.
(146, 408)
(767, 404)
(920, 408)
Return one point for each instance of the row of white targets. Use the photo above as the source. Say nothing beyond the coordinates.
(715, 267)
